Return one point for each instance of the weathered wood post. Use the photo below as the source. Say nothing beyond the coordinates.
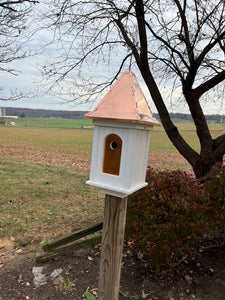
(112, 247)
(123, 122)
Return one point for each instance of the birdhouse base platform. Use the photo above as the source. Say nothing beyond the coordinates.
(121, 193)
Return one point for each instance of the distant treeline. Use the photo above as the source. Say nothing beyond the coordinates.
(213, 118)
(43, 113)
(46, 113)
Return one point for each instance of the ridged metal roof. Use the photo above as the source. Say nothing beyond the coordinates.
(124, 102)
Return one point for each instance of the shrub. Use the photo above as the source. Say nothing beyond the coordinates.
(214, 184)
(165, 217)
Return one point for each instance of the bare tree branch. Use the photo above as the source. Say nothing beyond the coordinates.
(13, 28)
(177, 43)
(208, 85)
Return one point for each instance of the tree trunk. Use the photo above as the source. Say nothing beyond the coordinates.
(202, 166)
(211, 150)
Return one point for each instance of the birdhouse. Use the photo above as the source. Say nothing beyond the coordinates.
(122, 124)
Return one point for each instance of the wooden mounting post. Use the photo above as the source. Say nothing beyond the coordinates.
(112, 247)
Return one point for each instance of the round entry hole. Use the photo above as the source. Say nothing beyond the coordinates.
(113, 145)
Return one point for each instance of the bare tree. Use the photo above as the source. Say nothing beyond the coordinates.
(178, 41)
(13, 37)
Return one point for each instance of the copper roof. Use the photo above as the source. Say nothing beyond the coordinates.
(124, 102)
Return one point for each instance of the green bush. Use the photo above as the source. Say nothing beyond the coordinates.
(164, 218)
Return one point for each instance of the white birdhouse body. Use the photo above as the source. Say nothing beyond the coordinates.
(124, 173)
(121, 139)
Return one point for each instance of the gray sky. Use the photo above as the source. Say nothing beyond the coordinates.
(29, 79)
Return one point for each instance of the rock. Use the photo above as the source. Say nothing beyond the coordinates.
(56, 276)
(19, 251)
(39, 278)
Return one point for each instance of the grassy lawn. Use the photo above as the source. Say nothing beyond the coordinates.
(160, 142)
(53, 122)
(45, 137)
(64, 140)
(42, 200)
(58, 144)
(43, 172)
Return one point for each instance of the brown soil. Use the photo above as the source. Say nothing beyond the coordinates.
(202, 279)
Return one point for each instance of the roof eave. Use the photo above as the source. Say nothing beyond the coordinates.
(153, 122)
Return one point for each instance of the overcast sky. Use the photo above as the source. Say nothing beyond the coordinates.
(29, 78)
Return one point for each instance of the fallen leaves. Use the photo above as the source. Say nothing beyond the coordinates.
(144, 296)
(39, 155)
(46, 157)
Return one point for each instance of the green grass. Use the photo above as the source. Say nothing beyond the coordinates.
(40, 200)
(53, 122)
(69, 140)
(55, 139)
(159, 140)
